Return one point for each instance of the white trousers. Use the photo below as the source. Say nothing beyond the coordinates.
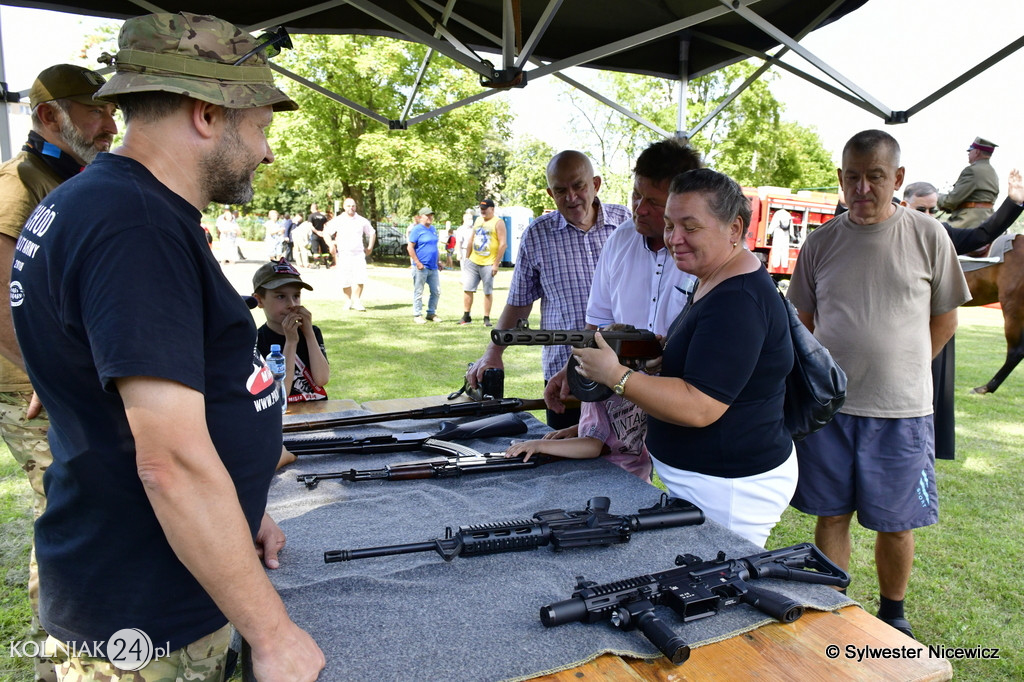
(748, 506)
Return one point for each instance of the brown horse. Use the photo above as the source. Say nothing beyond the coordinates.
(1003, 283)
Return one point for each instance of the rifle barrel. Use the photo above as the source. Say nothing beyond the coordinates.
(336, 555)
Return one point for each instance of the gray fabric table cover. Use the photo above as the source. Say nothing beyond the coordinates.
(416, 617)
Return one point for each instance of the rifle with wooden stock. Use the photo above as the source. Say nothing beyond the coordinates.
(633, 346)
(456, 460)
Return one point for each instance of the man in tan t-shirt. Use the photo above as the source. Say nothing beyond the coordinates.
(879, 287)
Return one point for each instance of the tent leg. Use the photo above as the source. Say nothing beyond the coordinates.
(684, 82)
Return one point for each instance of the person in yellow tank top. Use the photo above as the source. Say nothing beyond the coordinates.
(483, 254)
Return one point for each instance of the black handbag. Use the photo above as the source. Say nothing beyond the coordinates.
(816, 387)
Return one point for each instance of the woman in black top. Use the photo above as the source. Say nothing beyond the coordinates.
(715, 430)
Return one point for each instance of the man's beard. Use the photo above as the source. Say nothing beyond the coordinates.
(223, 179)
(80, 147)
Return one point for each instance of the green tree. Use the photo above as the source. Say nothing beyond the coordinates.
(748, 140)
(526, 182)
(330, 151)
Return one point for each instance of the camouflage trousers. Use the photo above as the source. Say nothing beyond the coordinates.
(26, 439)
(201, 661)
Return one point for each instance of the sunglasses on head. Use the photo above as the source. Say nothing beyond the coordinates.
(283, 267)
(270, 43)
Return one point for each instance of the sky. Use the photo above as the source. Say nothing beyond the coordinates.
(899, 51)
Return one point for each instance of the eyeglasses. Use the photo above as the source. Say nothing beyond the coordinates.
(930, 210)
(270, 43)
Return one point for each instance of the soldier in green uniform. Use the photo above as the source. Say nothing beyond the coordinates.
(69, 128)
(970, 201)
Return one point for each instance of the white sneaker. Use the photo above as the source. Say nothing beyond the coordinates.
(358, 305)
(434, 318)
(419, 320)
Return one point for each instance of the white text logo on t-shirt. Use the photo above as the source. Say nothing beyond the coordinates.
(35, 227)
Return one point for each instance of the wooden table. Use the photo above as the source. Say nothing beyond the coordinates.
(775, 651)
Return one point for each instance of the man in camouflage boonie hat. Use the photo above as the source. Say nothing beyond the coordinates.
(196, 55)
(169, 421)
(69, 128)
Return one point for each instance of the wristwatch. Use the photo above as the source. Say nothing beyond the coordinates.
(620, 387)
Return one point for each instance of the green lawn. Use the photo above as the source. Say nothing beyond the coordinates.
(965, 590)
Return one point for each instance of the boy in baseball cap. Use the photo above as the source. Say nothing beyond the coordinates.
(277, 287)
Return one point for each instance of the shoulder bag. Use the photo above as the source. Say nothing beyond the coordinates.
(816, 387)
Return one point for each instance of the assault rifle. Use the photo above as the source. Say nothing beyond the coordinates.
(457, 461)
(467, 409)
(697, 589)
(633, 346)
(498, 425)
(593, 526)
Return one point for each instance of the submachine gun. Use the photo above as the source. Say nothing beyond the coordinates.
(593, 526)
(697, 589)
(633, 346)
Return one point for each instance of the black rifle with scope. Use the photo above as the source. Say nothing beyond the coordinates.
(560, 529)
(633, 346)
(696, 589)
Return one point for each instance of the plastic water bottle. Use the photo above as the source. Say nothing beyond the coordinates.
(277, 367)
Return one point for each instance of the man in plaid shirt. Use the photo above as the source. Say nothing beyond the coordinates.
(556, 261)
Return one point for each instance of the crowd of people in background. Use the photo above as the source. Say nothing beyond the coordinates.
(345, 242)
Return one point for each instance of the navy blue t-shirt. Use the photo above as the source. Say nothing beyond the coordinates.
(734, 345)
(113, 278)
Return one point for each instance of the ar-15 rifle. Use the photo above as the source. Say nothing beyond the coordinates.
(633, 346)
(593, 526)
(457, 461)
(467, 409)
(498, 425)
(696, 589)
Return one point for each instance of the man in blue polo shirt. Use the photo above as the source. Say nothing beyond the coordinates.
(423, 252)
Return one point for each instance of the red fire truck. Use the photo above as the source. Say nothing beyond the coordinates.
(773, 209)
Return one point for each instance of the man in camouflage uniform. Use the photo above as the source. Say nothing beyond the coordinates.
(166, 428)
(69, 128)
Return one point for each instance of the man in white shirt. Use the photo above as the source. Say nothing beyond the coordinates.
(636, 281)
(346, 232)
